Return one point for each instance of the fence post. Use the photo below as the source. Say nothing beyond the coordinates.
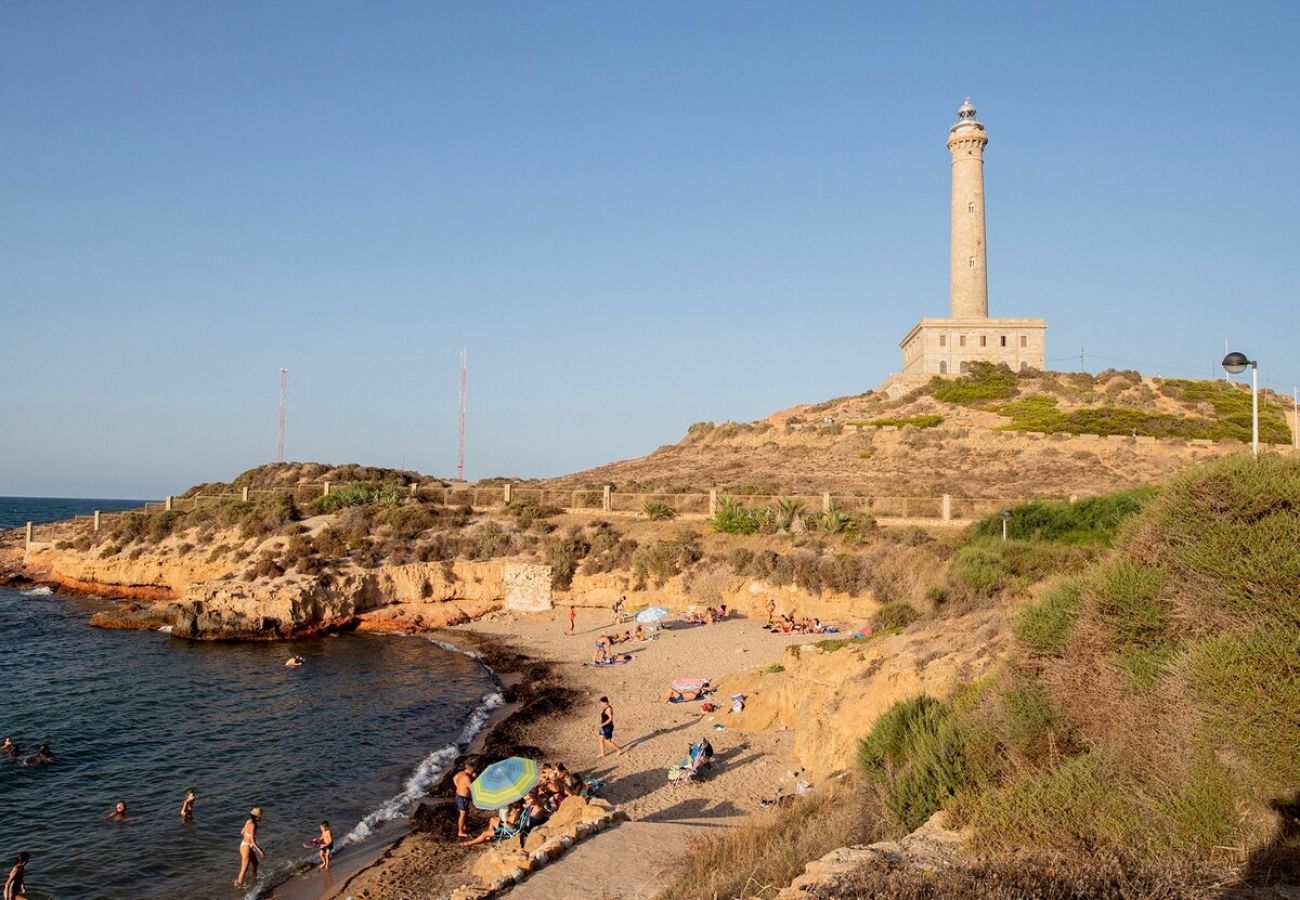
(415, 489)
(167, 502)
(713, 502)
(604, 498)
(28, 545)
(506, 492)
(96, 521)
(326, 492)
(947, 507)
(826, 501)
(243, 493)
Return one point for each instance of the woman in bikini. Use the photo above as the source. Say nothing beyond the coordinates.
(249, 852)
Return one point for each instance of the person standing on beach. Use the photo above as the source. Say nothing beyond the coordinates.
(618, 610)
(15, 888)
(572, 615)
(771, 610)
(326, 843)
(249, 852)
(462, 780)
(607, 727)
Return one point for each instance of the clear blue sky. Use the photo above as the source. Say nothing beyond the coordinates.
(636, 216)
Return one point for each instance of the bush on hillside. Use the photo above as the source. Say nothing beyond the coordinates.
(982, 383)
(1153, 702)
(927, 421)
(658, 511)
(1091, 520)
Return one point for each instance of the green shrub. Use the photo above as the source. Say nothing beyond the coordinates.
(920, 755)
(407, 522)
(775, 668)
(1045, 627)
(930, 421)
(527, 511)
(982, 383)
(563, 556)
(1091, 520)
(733, 518)
(658, 511)
(1127, 596)
(667, 558)
(988, 567)
(898, 614)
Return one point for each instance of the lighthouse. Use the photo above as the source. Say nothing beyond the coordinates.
(947, 346)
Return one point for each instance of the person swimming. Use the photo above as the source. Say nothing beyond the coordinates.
(15, 888)
(42, 757)
(294, 662)
(10, 749)
(119, 814)
(187, 807)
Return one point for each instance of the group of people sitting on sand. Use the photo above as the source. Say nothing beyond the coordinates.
(42, 757)
(708, 617)
(791, 624)
(556, 784)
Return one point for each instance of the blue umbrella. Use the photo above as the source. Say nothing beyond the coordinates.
(651, 614)
(504, 782)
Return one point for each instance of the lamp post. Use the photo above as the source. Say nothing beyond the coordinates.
(1234, 364)
(1006, 517)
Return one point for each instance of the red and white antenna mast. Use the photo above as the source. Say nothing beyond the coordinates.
(284, 393)
(464, 399)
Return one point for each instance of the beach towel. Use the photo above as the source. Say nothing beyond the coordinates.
(608, 662)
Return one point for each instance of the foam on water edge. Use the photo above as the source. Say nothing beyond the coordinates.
(42, 591)
(426, 773)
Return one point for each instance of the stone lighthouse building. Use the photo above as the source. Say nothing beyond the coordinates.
(946, 346)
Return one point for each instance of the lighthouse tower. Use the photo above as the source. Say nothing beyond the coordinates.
(948, 346)
(969, 290)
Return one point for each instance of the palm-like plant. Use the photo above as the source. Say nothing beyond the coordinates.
(789, 513)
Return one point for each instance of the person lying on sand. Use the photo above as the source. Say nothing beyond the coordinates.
(509, 817)
(672, 695)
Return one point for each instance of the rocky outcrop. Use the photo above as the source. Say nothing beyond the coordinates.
(933, 847)
(510, 861)
(830, 693)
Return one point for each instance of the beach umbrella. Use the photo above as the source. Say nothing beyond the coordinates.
(651, 614)
(504, 782)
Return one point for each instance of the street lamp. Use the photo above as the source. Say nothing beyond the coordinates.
(1006, 517)
(1234, 364)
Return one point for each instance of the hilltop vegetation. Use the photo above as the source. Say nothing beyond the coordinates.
(989, 433)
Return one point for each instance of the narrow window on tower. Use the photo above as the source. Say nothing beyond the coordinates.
(972, 262)
(1024, 341)
(943, 367)
(970, 207)
(1004, 340)
(984, 342)
(943, 340)
(962, 340)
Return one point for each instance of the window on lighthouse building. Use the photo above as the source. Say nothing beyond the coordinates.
(970, 207)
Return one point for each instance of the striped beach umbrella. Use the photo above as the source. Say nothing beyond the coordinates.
(504, 782)
(651, 614)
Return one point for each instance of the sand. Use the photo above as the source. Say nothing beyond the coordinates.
(635, 859)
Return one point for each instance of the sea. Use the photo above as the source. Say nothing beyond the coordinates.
(355, 737)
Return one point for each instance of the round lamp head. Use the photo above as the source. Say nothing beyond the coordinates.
(1235, 363)
(1006, 514)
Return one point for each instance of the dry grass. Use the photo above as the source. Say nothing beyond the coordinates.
(1021, 878)
(757, 861)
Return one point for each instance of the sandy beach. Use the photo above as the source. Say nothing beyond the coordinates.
(636, 858)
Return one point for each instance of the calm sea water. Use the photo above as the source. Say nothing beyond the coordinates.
(354, 736)
(18, 511)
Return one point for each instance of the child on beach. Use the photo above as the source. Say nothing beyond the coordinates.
(572, 615)
(326, 844)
